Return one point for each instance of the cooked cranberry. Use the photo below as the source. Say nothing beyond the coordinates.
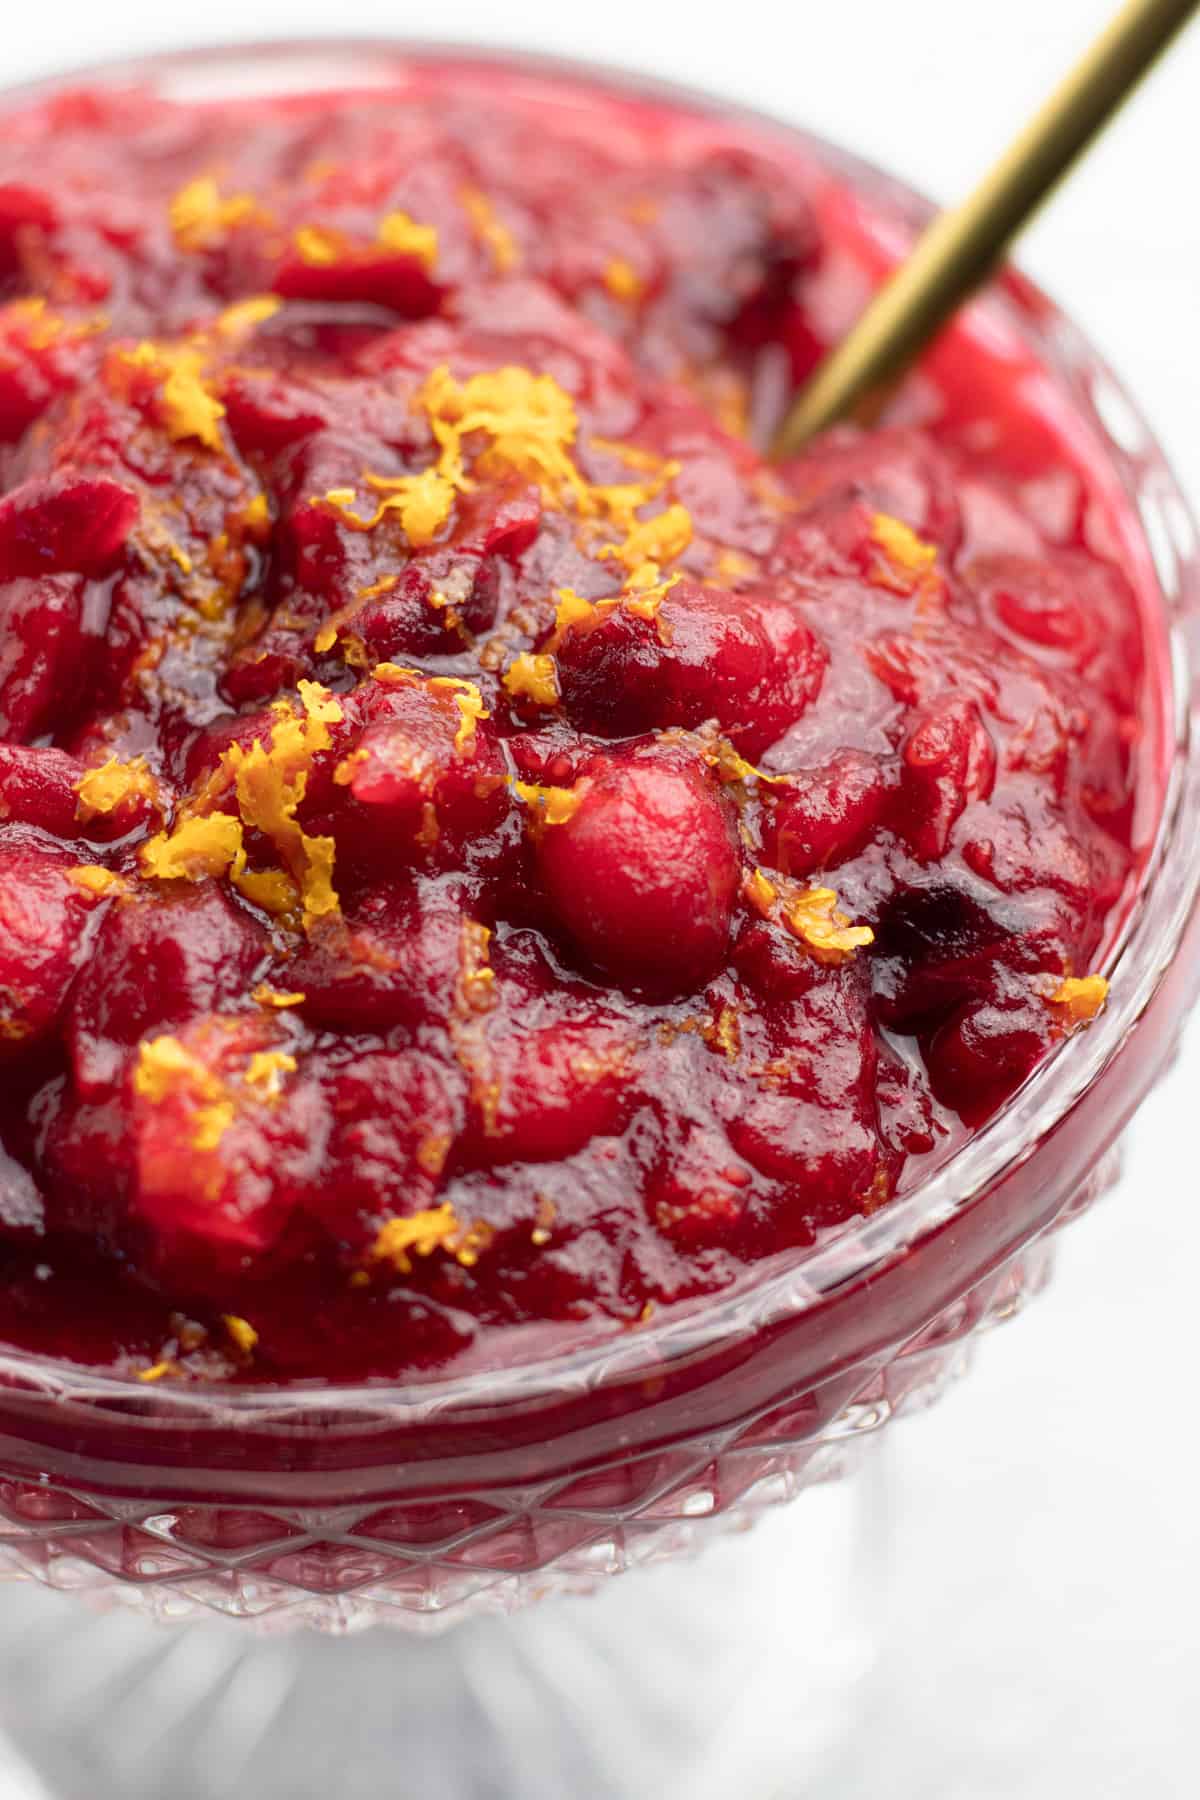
(65, 523)
(701, 1197)
(947, 761)
(396, 1115)
(267, 413)
(397, 282)
(748, 661)
(900, 473)
(394, 959)
(43, 657)
(986, 1051)
(549, 1090)
(483, 849)
(937, 944)
(642, 875)
(43, 919)
(827, 1066)
(156, 964)
(252, 1154)
(822, 816)
(513, 525)
(38, 787)
(422, 781)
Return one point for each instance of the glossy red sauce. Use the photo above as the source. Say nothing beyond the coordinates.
(480, 847)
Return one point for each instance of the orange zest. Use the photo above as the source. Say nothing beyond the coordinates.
(100, 791)
(551, 805)
(423, 1233)
(1080, 998)
(530, 677)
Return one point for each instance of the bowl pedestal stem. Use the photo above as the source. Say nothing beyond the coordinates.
(746, 1670)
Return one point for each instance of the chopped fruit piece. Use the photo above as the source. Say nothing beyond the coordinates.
(159, 959)
(43, 917)
(948, 761)
(553, 1088)
(65, 524)
(820, 817)
(749, 661)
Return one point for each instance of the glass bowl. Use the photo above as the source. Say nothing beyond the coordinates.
(417, 1504)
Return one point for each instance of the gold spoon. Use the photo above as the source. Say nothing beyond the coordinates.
(962, 246)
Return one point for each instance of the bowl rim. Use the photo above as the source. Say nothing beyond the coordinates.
(1167, 897)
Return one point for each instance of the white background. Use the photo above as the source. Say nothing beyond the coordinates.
(1050, 1528)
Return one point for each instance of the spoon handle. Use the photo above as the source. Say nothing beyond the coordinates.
(962, 245)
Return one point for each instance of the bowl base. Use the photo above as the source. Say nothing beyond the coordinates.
(744, 1671)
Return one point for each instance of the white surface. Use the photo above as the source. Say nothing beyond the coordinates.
(1050, 1534)
(1047, 1594)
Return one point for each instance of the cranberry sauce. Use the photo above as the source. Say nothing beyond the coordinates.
(481, 847)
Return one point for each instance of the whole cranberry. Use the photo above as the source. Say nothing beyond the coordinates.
(642, 875)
